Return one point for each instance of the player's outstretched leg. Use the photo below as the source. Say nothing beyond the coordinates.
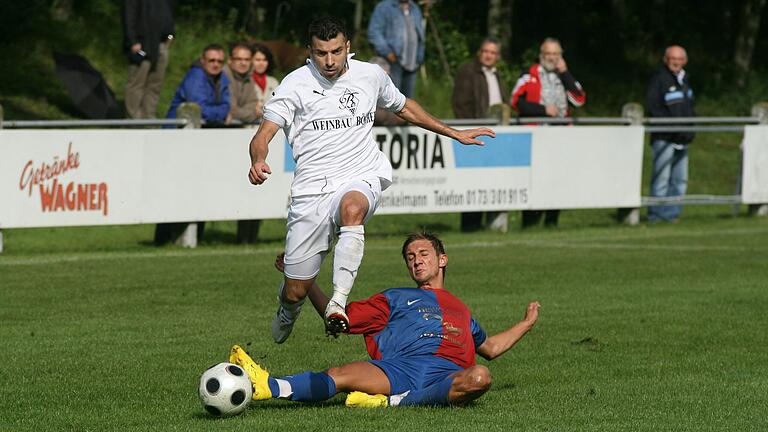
(286, 316)
(303, 387)
(347, 256)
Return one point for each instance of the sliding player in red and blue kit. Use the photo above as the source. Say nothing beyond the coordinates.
(422, 342)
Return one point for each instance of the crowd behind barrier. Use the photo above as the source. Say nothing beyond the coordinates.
(188, 234)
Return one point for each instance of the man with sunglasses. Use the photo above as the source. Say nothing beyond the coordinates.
(242, 90)
(205, 85)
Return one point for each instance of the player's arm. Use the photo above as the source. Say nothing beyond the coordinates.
(415, 114)
(499, 343)
(259, 148)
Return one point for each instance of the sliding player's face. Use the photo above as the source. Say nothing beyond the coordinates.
(330, 57)
(423, 262)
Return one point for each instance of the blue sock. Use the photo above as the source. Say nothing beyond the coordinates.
(434, 395)
(306, 387)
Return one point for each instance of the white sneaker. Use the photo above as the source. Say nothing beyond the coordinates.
(336, 320)
(282, 324)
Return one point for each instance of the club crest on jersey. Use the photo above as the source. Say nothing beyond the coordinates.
(348, 101)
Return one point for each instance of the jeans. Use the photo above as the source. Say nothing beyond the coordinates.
(670, 178)
(404, 80)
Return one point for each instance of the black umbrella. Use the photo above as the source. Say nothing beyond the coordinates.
(87, 88)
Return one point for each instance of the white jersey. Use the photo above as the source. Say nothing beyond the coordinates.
(328, 124)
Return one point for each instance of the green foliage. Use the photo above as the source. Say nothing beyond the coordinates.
(610, 47)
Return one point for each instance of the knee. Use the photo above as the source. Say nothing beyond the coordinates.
(353, 213)
(479, 378)
(295, 291)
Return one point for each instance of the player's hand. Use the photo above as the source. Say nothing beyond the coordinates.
(258, 173)
(469, 136)
(532, 313)
(391, 57)
(561, 66)
(280, 262)
(135, 48)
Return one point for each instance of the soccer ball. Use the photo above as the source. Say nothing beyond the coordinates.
(225, 390)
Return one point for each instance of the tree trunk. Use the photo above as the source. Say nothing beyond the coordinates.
(749, 26)
(500, 24)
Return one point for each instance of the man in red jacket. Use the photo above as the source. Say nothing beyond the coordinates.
(545, 90)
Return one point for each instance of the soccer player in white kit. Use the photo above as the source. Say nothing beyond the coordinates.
(326, 109)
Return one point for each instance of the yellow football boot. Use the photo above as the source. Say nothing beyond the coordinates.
(258, 375)
(364, 400)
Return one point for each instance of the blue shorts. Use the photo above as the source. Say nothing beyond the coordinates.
(415, 373)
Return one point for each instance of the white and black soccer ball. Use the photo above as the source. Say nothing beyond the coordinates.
(225, 390)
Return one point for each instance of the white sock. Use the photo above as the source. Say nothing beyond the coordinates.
(347, 257)
(285, 388)
(394, 400)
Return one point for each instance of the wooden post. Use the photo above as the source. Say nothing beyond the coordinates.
(1, 231)
(499, 221)
(185, 234)
(759, 110)
(634, 112)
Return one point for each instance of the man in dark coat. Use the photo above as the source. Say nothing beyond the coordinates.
(670, 95)
(148, 31)
(477, 88)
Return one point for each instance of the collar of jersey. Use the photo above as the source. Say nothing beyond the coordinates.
(325, 82)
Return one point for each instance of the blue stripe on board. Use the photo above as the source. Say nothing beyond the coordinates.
(506, 150)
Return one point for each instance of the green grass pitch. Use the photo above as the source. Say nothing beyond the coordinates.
(652, 328)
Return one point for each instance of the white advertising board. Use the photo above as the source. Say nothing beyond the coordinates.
(754, 177)
(102, 177)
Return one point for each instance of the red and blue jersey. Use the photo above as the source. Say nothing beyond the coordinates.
(408, 322)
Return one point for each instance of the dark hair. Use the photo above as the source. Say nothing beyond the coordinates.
(259, 48)
(239, 44)
(490, 39)
(423, 235)
(326, 28)
(212, 47)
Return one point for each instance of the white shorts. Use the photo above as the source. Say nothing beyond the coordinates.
(313, 222)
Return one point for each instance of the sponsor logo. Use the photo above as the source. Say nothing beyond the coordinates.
(343, 123)
(410, 302)
(56, 194)
(348, 101)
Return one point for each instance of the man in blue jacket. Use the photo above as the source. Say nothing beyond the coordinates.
(397, 34)
(205, 85)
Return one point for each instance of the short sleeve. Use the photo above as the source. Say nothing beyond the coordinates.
(281, 108)
(368, 316)
(478, 334)
(390, 97)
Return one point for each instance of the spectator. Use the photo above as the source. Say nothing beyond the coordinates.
(397, 34)
(476, 88)
(148, 31)
(670, 95)
(264, 83)
(205, 85)
(544, 91)
(243, 99)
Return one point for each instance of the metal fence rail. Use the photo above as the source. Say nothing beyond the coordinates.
(37, 124)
